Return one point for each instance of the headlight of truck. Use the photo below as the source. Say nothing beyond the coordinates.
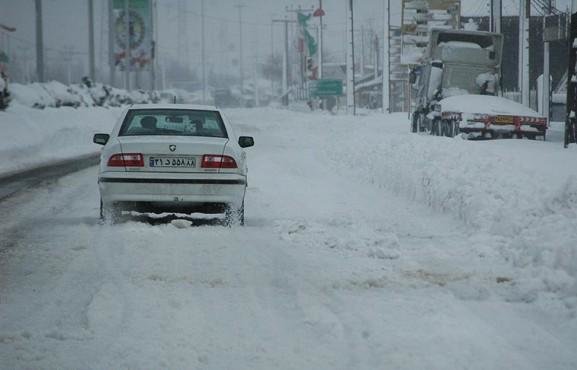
(437, 107)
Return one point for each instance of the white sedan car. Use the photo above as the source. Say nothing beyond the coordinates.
(175, 158)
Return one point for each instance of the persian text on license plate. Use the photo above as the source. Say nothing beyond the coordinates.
(172, 162)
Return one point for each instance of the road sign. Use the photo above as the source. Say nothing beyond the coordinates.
(326, 87)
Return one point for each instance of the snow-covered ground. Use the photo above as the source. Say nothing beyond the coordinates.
(32, 137)
(366, 247)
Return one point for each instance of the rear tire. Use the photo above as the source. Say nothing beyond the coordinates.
(234, 216)
(109, 213)
(437, 129)
(414, 123)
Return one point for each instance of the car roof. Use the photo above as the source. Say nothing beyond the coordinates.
(174, 106)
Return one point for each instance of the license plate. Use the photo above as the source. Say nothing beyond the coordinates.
(172, 162)
(504, 120)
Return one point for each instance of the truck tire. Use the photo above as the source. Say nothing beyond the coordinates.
(414, 123)
(436, 127)
(420, 123)
(455, 130)
(448, 128)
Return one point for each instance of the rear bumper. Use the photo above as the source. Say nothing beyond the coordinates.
(172, 188)
(496, 130)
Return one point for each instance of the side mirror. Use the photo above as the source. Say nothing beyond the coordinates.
(245, 141)
(101, 139)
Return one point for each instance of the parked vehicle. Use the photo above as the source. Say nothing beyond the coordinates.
(458, 87)
(4, 93)
(162, 158)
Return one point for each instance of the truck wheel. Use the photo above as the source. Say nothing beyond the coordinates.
(450, 129)
(436, 127)
(414, 123)
(455, 129)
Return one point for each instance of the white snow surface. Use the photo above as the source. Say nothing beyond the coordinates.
(485, 104)
(366, 247)
(31, 137)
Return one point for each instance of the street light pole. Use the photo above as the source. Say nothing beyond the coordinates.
(320, 74)
(39, 42)
(203, 52)
(240, 62)
(351, 105)
(386, 58)
(285, 59)
(571, 118)
(91, 57)
(127, 45)
(546, 95)
(111, 41)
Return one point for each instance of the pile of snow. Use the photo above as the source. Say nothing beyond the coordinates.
(55, 94)
(485, 104)
(33, 137)
(521, 192)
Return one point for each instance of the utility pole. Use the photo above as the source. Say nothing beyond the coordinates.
(362, 56)
(111, 41)
(524, 15)
(571, 118)
(320, 51)
(496, 13)
(39, 42)
(351, 105)
(203, 52)
(240, 49)
(154, 45)
(127, 45)
(546, 96)
(91, 56)
(386, 58)
(285, 59)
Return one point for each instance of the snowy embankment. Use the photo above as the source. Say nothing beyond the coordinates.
(33, 137)
(522, 191)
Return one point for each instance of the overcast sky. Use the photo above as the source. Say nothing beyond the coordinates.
(65, 24)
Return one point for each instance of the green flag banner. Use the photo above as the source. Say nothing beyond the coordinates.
(309, 39)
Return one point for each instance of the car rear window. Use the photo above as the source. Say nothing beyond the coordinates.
(173, 122)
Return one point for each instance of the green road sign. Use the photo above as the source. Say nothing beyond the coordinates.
(326, 88)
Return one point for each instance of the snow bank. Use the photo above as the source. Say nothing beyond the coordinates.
(522, 191)
(55, 94)
(31, 137)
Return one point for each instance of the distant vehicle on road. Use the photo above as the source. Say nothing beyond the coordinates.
(458, 86)
(224, 98)
(175, 158)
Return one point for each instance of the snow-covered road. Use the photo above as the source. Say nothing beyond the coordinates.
(334, 270)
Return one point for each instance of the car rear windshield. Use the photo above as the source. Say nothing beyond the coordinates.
(174, 122)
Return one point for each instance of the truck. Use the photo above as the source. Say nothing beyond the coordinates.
(4, 93)
(457, 90)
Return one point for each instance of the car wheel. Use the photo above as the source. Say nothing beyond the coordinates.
(109, 213)
(234, 216)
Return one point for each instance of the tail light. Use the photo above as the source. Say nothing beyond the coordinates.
(218, 161)
(126, 160)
